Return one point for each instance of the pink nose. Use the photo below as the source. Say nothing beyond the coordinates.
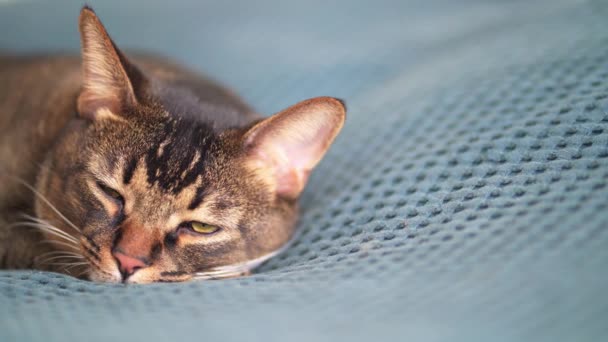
(128, 264)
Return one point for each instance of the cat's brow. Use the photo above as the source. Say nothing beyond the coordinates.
(129, 171)
(200, 194)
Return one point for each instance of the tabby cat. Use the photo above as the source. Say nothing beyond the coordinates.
(143, 172)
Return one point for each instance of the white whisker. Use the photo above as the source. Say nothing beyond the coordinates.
(48, 229)
(61, 257)
(214, 273)
(59, 233)
(81, 273)
(46, 223)
(59, 253)
(69, 268)
(218, 275)
(32, 189)
(53, 232)
(66, 264)
(60, 243)
(236, 269)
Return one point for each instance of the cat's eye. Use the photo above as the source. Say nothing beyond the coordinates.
(202, 228)
(111, 193)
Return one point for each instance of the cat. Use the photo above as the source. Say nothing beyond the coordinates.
(140, 172)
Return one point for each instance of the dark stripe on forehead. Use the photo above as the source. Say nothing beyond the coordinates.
(180, 154)
(129, 170)
(112, 160)
(200, 194)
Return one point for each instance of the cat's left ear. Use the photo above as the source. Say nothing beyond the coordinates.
(289, 144)
(110, 81)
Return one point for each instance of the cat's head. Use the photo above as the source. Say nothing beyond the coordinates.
(156, 195)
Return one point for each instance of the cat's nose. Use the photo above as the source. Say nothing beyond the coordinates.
(128, 264)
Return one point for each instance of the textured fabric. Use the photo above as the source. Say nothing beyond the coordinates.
(466, 198)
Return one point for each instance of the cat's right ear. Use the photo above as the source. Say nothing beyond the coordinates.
(289, 144)
(110, 82)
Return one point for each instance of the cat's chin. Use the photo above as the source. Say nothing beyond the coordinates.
(105, 277)
(142, 277)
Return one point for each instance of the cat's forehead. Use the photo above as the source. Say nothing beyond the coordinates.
(171, 155)
(178, 154)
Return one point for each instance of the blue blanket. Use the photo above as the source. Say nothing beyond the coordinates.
(466, 198)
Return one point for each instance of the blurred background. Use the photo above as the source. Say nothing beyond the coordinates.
(465, 199)
(276, 53)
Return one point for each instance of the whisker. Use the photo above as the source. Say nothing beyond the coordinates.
(65, 257)
(61, 257)
(46, 223)
(69, 268)
(51, 230)
(37, 219)
(223, 272)
(39, 195)
(74, 264)
(55, 255)
(215, 276)
(237, 269)
(211, 274)
(66, 264)
(61, 253)
(206, 276)
(81, 273)
(60, 243)
(68, 239)
(59, 233)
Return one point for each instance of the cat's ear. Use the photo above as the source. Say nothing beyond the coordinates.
(289, 144)
(109, 81)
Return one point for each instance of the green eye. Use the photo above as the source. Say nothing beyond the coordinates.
(203, 228)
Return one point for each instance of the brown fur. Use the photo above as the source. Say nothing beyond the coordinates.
(174, 146)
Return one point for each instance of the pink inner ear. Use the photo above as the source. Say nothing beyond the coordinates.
(293, 175)
(293, 155)
(291, 182)
(294, 141)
